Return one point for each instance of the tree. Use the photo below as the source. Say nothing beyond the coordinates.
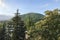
(19, 28)
(29, 24)
(2, 32)
(50, 25)
(31, 32)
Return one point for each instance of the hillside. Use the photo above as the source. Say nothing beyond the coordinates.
(34, 16)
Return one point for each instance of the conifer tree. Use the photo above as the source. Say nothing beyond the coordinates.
(19, 28)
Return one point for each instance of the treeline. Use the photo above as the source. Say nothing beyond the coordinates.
(45, 28)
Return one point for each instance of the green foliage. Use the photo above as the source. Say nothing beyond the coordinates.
(50, 25)
(2, 32)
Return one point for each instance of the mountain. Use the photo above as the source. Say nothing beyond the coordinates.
(4, 17)
(34, 17)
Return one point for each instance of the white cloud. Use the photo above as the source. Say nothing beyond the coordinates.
(2, 4)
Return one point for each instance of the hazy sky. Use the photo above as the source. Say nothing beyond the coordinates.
(9, 7)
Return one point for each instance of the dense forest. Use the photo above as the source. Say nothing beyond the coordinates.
(32, 26)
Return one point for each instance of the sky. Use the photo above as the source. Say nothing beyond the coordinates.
(9, 7)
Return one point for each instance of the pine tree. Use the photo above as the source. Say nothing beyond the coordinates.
(19, 28)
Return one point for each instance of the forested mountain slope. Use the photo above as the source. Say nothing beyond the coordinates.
(33, 16)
